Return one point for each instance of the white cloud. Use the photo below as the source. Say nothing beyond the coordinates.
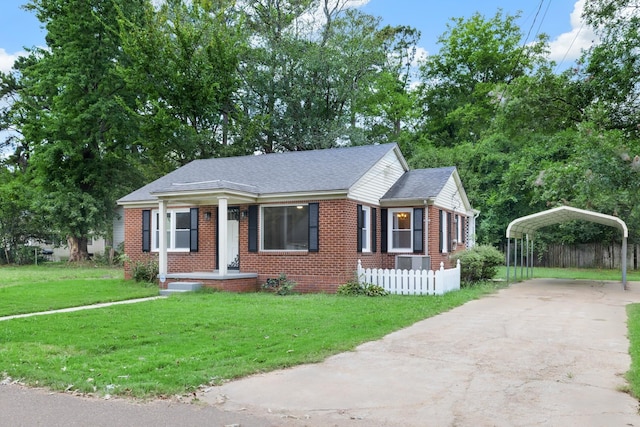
(421, 56)
(7, 59)
(569, 46)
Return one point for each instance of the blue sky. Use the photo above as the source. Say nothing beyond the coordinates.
(560, 19)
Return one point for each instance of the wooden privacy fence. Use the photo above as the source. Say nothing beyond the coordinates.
(588, 255)
(412, 282)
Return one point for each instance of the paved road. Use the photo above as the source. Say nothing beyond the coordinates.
(547, 353)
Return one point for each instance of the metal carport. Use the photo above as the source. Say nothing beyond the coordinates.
(524, 228)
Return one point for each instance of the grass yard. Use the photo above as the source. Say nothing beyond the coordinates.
(175, 345)
(633, 326)
(51, 286)
(574, 273)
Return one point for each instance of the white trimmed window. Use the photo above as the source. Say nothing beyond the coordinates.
(178, 230)
(444, 232)
(400, 230)
(366, 229)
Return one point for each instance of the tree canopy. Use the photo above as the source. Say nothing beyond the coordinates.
(126, 91)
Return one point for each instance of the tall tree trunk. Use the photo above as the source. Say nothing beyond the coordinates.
(77, 248)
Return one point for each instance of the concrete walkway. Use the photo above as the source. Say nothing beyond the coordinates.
(83, 307)
(541, 352)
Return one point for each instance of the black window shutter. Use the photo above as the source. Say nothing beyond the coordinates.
(440, 225)
(418, 230)
(314, 221)
(373, 229)
(253, 228)
(146, 230)
(449, 232)
(193, 229)
(383, 230)
(360, 225)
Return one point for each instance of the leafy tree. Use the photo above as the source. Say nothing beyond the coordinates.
(71, 118)
(183, 65)
(465, 82)
(313, 82)
(388, 109)
(612, 65)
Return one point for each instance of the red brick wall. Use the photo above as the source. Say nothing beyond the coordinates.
(434, 240)
(323, 271)
(203, 260)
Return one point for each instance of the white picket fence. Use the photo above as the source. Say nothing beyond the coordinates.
(412, 282)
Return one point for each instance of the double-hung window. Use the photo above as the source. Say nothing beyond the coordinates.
(285, 228)
(400, 230)
(365, 228)
(178, 229)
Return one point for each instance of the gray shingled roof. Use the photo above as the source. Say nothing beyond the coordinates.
(302, 171)
(420, 184)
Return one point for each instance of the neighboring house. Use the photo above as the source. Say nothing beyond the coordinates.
(234, 222)
(95, 244)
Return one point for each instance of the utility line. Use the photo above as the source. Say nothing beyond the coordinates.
(569, 48)
(524, 44)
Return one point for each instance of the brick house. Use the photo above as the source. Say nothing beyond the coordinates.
(234, 222)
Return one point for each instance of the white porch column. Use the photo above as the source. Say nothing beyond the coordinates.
(162, 238)
(222, 235)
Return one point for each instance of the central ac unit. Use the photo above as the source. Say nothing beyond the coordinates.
(413, 262)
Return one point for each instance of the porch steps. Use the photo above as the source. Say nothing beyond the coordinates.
(180, 287)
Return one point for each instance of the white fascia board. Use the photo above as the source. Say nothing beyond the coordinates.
(316, 195)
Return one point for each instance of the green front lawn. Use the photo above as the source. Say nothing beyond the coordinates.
(40, 288)
(174, 345)
(177, 344)
(572, 273)
(633, 326)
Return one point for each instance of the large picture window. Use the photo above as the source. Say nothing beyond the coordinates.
(285, 228)
(178, 230)
(400, 230)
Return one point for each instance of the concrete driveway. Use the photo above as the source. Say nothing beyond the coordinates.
(541, 352)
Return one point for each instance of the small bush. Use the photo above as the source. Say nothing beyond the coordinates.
(280, 286)
(355, 288)
(372, 290)
(145, 271)
(26, 255)
(479, 263)
(350, 288)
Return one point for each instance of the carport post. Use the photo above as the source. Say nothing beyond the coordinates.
(508, 256)
(527, 256)
(515, 258)
(532, 258)
(522, 258)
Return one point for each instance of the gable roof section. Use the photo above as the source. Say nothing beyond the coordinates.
(316, 171)
(531, 223)
(424, 185)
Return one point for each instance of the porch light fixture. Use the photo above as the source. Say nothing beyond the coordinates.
(207, 216)
(244, 214)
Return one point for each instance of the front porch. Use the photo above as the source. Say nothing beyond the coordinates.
(232, 281)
